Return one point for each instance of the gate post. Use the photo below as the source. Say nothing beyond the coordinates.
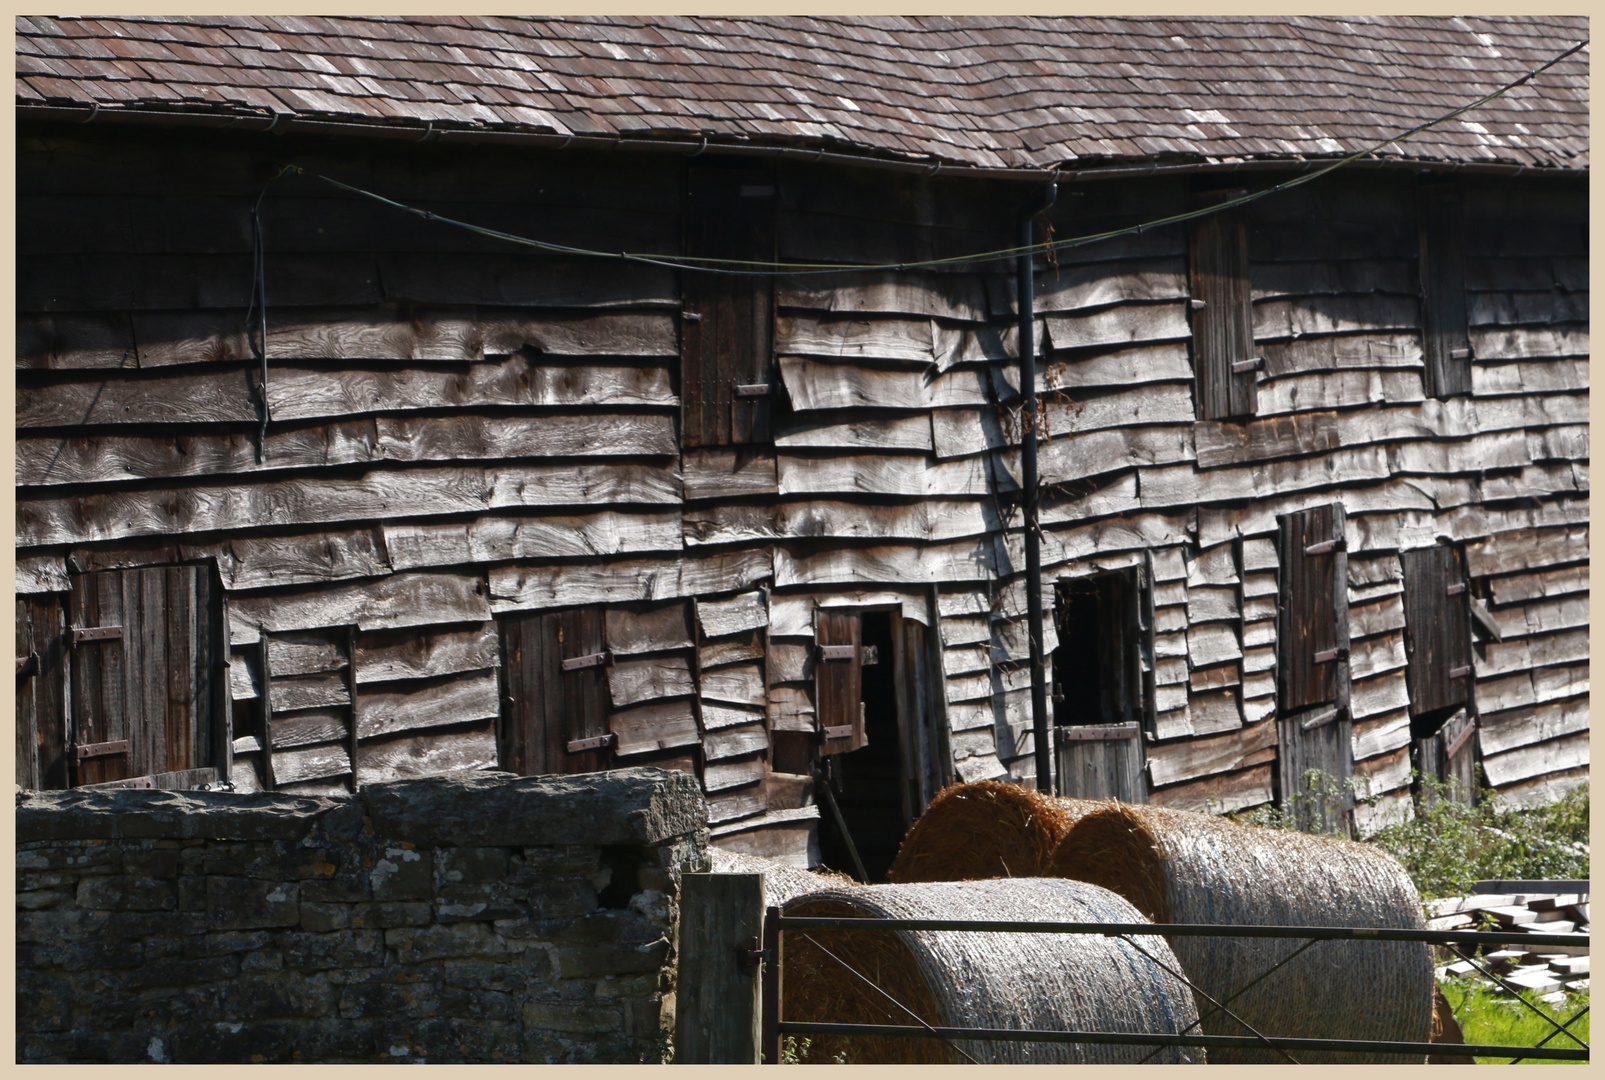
(717, 1010)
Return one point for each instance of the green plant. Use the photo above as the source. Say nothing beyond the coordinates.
(1450, 845)
(1490, 1019)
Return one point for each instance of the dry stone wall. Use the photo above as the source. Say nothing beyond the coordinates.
(472, 918)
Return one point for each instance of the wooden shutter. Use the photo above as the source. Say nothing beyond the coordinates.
(1450, 756)
(1446, 340)
(309, 708)
(1098, 737)
(148, 692)
(1313, 726)
(1312, 608)
(41, 709)
(727, 329)
(1224, 359)
(1437, 631)
(839, 681)
(555, 705)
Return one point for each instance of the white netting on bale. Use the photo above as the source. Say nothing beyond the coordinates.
(1052, 982)
(781, 882)
(1177, 866)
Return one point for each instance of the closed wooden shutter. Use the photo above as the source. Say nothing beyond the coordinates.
(41, 709)
(1437, 630)
(839, 681)
(1225, 376)
(1446, 340)
(555, 702)
(1314, 755)
(727, 331)
(148, 692)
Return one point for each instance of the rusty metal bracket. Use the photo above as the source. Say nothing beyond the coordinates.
(600, 742)
(826, 734)
(84, 634)
(27, 665)
(589, 660)
(1456, 589)
(1460, 740)
(837, 652)
(1325, 546)
(1320, 719)
(749, 955)
(1326, 656)
(1098, 732)
(752, 390)
(102, 749)
(1241, 366)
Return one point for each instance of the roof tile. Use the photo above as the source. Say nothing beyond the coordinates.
(1005, 90)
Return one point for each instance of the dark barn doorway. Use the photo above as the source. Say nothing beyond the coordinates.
(868, 782)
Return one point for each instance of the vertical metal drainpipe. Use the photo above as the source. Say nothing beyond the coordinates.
(1026, 283)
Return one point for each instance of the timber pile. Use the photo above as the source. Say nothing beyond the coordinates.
(987, 829)
(1049, 982)
(1182, 867)
(1547, 970)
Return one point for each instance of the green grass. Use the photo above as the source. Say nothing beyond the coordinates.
(1493, 1020)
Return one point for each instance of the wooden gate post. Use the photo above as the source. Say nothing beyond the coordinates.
(717, 1012)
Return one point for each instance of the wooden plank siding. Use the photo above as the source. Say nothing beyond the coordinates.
(468, 442)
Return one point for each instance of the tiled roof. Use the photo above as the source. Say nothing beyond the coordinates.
(1004, 92)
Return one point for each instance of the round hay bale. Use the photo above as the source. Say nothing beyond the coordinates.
(780, 881)
(1059, 982)
(1182, 867)
(988, 829)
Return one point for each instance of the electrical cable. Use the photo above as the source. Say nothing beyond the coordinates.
(761, 268)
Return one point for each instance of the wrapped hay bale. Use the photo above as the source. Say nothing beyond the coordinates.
(1176, 866)
(1057, 982)
(781, 882)
(988, 829)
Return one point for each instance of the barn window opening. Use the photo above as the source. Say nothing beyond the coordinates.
(1098, 686)
(727, 378)
(1439, 672)
(1225, 364)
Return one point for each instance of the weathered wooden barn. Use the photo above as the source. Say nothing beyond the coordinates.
(313, 491)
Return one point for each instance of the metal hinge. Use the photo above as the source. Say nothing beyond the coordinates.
(27, 665)
(1460, 672)
(751, 390)
(1456, 589)
(601, 742)
(691, 316)
(845, 731)
(590, 660)
(102, 749)
(1197, 305)
(1460, 354)
(749, 955)
(1326, 656)
(1241, 366)
(837, 652)
(1323, 546)
(83, 634)
(1320, 719)
(1098, 733)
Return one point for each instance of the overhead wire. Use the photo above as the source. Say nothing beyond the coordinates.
(763, 268)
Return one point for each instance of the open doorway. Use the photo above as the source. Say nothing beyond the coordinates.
(883, 784)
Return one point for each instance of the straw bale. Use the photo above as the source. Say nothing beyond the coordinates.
(1050, 982)
(988, 829)
(781, 882)
(1177, 866)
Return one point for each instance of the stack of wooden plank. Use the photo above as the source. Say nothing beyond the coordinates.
(1548, 970)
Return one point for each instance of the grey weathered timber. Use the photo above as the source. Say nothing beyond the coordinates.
(718, 1013)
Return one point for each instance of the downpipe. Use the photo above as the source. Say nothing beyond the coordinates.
(1025, 280)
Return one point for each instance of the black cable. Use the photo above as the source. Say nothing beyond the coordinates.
(776, 269)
